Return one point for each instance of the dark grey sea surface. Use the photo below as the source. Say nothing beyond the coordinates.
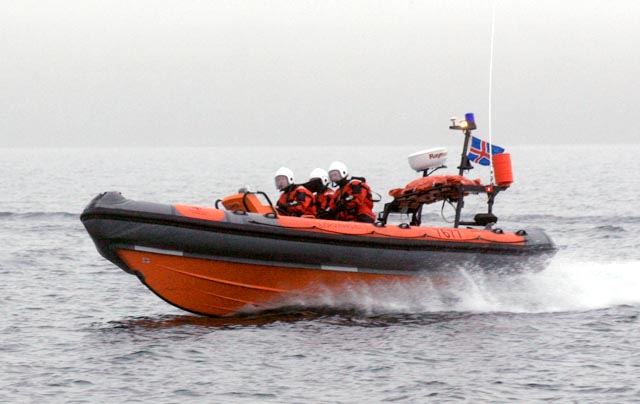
(76, 329)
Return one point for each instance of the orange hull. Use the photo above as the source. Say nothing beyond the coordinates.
(219, 288)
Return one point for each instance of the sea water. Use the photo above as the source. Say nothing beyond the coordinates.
(74, 328)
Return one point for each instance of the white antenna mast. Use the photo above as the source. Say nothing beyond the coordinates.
(493, 23)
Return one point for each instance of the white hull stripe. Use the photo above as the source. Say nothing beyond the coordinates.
(250, 261)
(338, 268)
(158, 251)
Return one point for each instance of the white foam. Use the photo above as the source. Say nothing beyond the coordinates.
(567, 285)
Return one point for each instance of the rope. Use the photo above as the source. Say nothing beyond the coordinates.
(378, 233)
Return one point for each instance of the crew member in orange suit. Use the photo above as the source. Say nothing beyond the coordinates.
(319, 184)
(296, 200)
(352, 201)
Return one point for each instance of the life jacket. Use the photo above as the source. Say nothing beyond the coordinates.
(323, 202)
(296, 200)
(353, 202)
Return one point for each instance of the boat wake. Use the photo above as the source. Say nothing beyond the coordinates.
(567, 285)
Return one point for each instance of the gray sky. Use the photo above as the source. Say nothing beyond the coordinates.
(204, 73)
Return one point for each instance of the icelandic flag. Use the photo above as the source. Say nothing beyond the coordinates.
(479, 151)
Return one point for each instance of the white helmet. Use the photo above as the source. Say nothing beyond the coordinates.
(342, 171)
(320, 173)
(288, 176)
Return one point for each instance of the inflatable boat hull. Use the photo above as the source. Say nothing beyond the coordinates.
(216, 262)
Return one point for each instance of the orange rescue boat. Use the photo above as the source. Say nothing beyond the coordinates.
(243, 255)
